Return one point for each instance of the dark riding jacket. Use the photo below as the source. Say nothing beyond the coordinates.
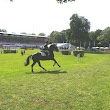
(46, 49)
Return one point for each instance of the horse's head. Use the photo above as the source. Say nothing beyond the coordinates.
(53, 47)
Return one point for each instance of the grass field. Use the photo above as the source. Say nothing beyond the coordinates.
(74, 86)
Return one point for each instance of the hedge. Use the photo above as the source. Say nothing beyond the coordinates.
(76, 52)
(9, 51)
(66, 52)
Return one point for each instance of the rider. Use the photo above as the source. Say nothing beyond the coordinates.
(46, 49)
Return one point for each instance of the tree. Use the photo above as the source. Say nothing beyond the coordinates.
(93, 35)
(57, 37)
(104, 38)
(42, 34)
(79, 27)
(23, 33)
(62, 37)
(33, 34)
(52, 36)
(68, 34)
(3, 30)
(64, 1)
(59, 1)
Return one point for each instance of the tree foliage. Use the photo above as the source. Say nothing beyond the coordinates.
(64, 1)
(23, 33)
(42, 34)
(104, 38)
(59, 1)
(93, 37)
(3, 30)
(58, 37)
(79, 27)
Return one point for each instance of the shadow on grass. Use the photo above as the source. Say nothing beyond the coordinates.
(49, 72)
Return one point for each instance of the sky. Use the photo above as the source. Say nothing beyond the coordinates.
(37, 16)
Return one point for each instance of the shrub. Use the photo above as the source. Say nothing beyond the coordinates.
(76, 52)
(9, 51)
(66, 52)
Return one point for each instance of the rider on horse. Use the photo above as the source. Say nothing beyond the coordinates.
(45, 49)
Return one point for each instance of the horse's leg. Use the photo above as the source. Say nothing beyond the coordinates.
(41, 66)
(55, 62)
(33, 65)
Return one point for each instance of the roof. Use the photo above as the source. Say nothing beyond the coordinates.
(23, 35)
(63, 44)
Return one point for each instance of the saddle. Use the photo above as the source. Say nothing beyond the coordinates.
(44, 53)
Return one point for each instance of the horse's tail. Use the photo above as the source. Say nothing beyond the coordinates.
(27, 60)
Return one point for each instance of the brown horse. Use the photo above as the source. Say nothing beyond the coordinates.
(38, 56)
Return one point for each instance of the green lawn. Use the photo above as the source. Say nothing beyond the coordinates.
(74, 86)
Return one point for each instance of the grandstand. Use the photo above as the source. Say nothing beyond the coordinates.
(21, 40)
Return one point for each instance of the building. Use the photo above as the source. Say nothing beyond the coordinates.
(21, 39)
(65, 46)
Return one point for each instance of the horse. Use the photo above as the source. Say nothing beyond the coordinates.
(36, 57)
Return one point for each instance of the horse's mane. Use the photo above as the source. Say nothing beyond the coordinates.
(50, 45)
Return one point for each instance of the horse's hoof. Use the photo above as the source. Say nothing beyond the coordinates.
(25, 64)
